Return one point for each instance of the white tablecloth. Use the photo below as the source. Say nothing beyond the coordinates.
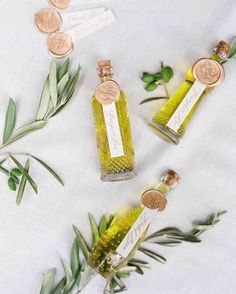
(35, 235)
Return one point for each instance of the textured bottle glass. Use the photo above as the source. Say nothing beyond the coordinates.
(99, 257)
(114, 168)
(160, 120)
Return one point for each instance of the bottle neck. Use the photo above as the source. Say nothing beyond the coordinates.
(216, 57)
(163, 189)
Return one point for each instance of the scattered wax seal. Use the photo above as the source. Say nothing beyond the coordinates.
(208, 72)
(107, 92)
(60, 4)
(154, 199)
(47, 20)
(60, 44)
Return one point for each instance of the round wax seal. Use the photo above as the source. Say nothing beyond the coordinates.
(60, 4)
(208, 72)
(48, 20)
(153, 199)
(107, 92)
(60, 44)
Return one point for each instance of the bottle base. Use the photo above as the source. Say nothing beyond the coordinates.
(115, 177)
(164, 132)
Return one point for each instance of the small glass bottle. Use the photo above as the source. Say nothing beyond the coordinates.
(170, 122)
(112, 125)
(119, 243)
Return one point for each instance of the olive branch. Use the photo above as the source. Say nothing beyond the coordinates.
(58, 90)
(78, 274)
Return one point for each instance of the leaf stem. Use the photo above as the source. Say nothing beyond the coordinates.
(165, 89)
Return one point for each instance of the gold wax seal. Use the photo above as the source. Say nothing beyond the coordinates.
(153, 199)
(60, 44)
(60, 4)
(48, 20)
(107, 92)
(208, 72)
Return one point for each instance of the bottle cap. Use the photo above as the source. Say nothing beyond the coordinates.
(48, 20)
(171, 178)
(153, 199)
(105, 69)
(222, 49)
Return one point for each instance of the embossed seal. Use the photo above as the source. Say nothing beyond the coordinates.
(208, 72)
(48, 20)
(60, 44)
(107, 92)
(153, 199)
(61, 4)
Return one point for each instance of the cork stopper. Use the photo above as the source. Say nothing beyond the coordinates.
(222, 49)
(171, 178)
(104, 69)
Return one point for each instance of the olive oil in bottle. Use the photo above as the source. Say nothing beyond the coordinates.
(119, 243)
(112, 125)
(171, 121)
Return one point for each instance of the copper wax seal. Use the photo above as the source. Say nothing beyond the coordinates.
(107, 92)
(60, 44)
(153, 199)
(61, 4)
(48, 20)
(208, 72)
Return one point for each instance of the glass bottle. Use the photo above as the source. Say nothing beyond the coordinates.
(112, 125)
(171, 121)
(119, 243)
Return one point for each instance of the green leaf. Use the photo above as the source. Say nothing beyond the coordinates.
(61, 85)
(21, 188)
(68, 274)
(166, 73)
(152, 99)
(53, 82)
(86, 275)
(12, 184)
(59, 287)
(102, 225)
(16, 172)
(25, 130)
(94, 228)
(172, 231)
(82, 243)
(123, 274)
(67, 93)
(49, 169)
(28, 177)
(113, 220)
(74, 258)
(64, 68)
(48, 282)
(232, 52)
(152, 254)
(119, 282)
(148, 78)
(44, 101)
(2, 161)
(4, 171)
(151, 87)
(10, 120)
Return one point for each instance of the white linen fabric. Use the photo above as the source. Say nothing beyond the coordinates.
(35, 235)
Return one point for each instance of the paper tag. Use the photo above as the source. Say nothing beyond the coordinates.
(113, 130)
(78, 17)
(135, 232)
(92, 25)
(186, 105)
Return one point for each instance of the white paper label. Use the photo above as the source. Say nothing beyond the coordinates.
(78, 17)
(135, 232)
(113, 130)
(186, 105)
(88, 27)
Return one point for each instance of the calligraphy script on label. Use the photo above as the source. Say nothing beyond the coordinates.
(186, 105)
(113, 130)
(135, 232)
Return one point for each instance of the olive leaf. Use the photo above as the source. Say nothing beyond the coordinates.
(64, 69)
(68, 274)
(49, 169)
(25, 173)
(22, 185)
(82, 243)
(53, 82)
(152, 99)
(152, 254)
(44, 101)
(102, 225)
(94, 228)
(232, 52)
(75, 260)
(10, 120)
(48, 282)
